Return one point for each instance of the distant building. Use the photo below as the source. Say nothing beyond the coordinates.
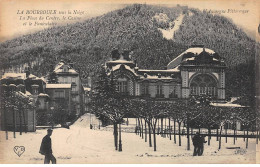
(66, 74)
(196, 71)
(60, 96)
(23, 86)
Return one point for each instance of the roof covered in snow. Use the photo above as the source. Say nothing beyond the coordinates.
(144, 74)
(86, 89)
(58, 86)
(59, 68)
(43, 95)
(191, 54)
(21, 76)
(226, 105)
(14, 75)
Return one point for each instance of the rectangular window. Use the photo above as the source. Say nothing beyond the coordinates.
(122, 86)
(65, 80)
(146, 89)
(159, 90)
(74, 88)
(73, 80)
(61, 80)
(74, 98)
(59, 94)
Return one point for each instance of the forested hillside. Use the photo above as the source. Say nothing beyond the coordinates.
(88, 44)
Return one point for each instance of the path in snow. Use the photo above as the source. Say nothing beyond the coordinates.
(169, 33)
(80, 144)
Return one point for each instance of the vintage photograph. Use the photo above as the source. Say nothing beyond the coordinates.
(129, 82)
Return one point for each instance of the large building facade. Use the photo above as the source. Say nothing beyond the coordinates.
(66, 74)
(197, 71)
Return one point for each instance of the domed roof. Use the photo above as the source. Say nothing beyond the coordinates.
(190, 54)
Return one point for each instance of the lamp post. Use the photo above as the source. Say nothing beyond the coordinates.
(90, 125)
(52, 122)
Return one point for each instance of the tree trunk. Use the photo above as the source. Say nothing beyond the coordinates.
(234, 136)
(188, 136)
(161, 126)
(14, 122)
(136, 132)
(20, 119)
(154, 135)
(142, 128)
(257, 136)
(219, 146)
(226, 134)
(244, 135)
(115, 135)
(247, 138)
(170, 129)
(209, 134)
(158, 129)
(154, 140)
(145, 129)
(165, 128)
(138, 128)
(120, 140)
(217, 134)
(25, 128)
(5, 118)
(179, 133)
(174, 131)
(150, 136)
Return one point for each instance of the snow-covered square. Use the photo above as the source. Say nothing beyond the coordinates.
(80, 144)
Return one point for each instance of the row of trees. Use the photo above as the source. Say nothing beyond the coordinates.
(111, 106)
(16, 105)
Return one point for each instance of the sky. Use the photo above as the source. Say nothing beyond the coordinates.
(244, 13)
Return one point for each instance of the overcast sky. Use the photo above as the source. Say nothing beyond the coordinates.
(11, 26)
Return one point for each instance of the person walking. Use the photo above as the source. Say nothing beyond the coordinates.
(195, 141)
(46, 148)
(201, 145)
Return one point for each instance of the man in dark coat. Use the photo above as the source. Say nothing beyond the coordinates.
(201, 145)
(196, 140)
(46, 148)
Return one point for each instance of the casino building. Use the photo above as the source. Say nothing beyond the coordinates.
(196, 71)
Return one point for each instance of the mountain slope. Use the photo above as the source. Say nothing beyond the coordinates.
(135, 27)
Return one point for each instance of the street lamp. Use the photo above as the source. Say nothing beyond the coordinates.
(52, 109)
(90, 125)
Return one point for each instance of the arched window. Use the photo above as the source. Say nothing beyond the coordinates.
(203, 84)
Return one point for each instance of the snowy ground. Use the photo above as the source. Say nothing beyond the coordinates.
(80, 144)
